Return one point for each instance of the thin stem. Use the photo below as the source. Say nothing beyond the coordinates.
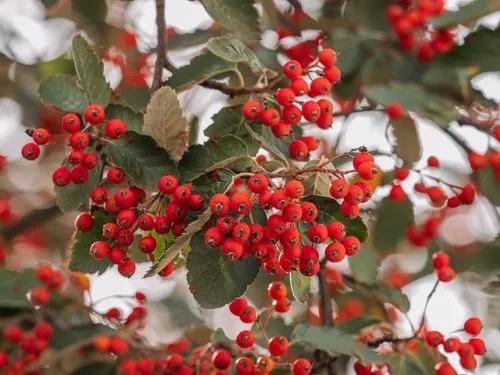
(422, 321)
(161, 45)
(325, 299)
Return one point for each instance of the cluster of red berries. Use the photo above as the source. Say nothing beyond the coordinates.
(410, 23)
(491, 159)
(79, 160)
(278, 244)
(441, 264)
(132, 214)
(23, 347)
(288, 111)
(467, 351)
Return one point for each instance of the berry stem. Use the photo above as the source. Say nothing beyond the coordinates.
(161, 45)
(325, 300)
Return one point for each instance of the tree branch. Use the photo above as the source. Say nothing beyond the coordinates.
(161, 45)
(32, 218)
(238, 91)
(325, 299)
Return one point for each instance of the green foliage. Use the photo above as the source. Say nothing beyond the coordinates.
(275, 326)
(141, 158)
(333, 341)
(90, 72)
(364, 266)
(419, 362)
(93, 10)
(63, 92)
(299, 286)
(237, 16)
(73, 196)
(13, 289)
(267, 144)
(407, 145)
(132, 119)
(234, 50)
(488, 185)
(468, 13)
(392, 220)
(214, 281)
(79, 257)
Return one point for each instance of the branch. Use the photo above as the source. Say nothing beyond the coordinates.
(325, 300)
(32, 218)
(238, 91)
(161, 45)
(458, 140)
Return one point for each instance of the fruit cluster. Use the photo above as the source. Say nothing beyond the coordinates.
(290, 106)
(466, 350)
(441, 264)
(410, 23)
(131, 215)
(277, 241)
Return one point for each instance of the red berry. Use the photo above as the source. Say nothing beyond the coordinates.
(244, 366)
(39, 296)
(84, 222)
(446, 274)
(245, 339)
(99, 195)
(478, 345)
(89, 160)
(285, 96)
(335, 252)
(282, 305)
(336, 230)
(277, 290)
(219, 204)
(231, 249)
(333, 74)
(43, 330)
(311, 142)
(118, 346)
(238, 305)
(124, 198)
(451, 345)
(394, 110)
(311, 111)
(251, 110)
(127, 268)
(440, 259)
(79, 140)
(41, 136)
(354, 195)
(350, 211)
(317, 233)
(248, 314)
(320, 86)
(294, 189)
(61, 176)
(71, 123)
(281, 130)
(257, 183)
(473, 326)
(278, 345)
(12, 334)
(327, 57)
(167, 270)
(468, 194)
(167, 184)
(477, 161)
(434, 338)
(79, 174)
(433, 162)
(299, 86)
(352, 245)
(292, 115)
(292, 69)
(94, 114)
(309, 211)
(270, 117)
(221, 359)
(339, 188)
(147, 244)
(301, 366)
(468, 362)
(30, 151)
(367, 170)
(240, 203)
(115, 128)
(444, 368)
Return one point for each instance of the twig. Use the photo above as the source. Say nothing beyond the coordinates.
(325, 300)
(162, 45)
(238, 91)
(458, 140)
(422, 321)
(32, 218)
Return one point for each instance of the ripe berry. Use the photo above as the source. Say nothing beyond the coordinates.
(245, 339)
(292, 212)
(167, 270)
(360, 158)
(301, 366)
(124, 198)
(477, 161)
(473, 326)
(99, 195)
(434, 338)
(221, 359)
(244, 366)
(161, 224)
(292, 114)
(294, 189)
(89, 160)
(238, 305)
(195, 202)
(41, 136)
(278, 345)
(115, 129)
(79, 175)
(352, 245)
(43, 330)
(61, 176)
(39, 296)
(147, 244)
(241, 231)
(311, 142)
(444, 368)
(240, 203)
(281, 130)
(333, 74)
(270, 117)
(317, 233)
(94, 114)
(468, 194)
(311, 111)
(440, 259)
(446, 274)
(79, 140)
(71, 123)
(327, 57)
(118, 346)
(231, 249)
(335, 252)
(451, 345)
(84, 222)
(30, 151)
(251, 110)
(277, 290)
(219, 204)
(127, 268)
(299, 86)
(320, 86)
(282, 305)
(394, 110)
(309, 211)
(339, 188)
(336, 230)
(468, 362)
(248, 314)
(367, 170)
(350, 211)
(285, 96)
(292, 69)
(257, 183)
(478, 345)
(167, 184)
(354, 195)
(12, 334)
(433, 162)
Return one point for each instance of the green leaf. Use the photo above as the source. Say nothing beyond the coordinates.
(64, 337)
(180, 243)
(132, 119)
(480, 52)
(484, 259)
(267, 145)
(466, 14)
(93, 10)
(317, 183)
(73, 196)
(14, 287)
(62, 92)
(227, 121)
(275, 326)
(79, 257)
(237, 16)
(90, 72)
(165, 122)
(234, 50)
(299, 286)
(201, 68)
(407, 145)
(329, 210)
(414, 98)
(392, 220)
(281, 144)
(489, 185)
(450, 81)
(409, 362)
(354, 326)
(212, 155)
(350, 52)
(214, 281)
(213, 183)
(368, 13)
(334, 341)
(141, 158)
(364, 266)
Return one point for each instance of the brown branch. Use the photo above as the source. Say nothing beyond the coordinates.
(161, 45)
(325, 299)
(238, 91)
(32, 218)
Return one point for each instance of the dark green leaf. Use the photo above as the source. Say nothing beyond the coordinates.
(466, 14)
(14, 287)
(329, 210)
(93, 10)
(214, 281)
(237, 16)
(213, 183)
(201, 68)
(234, 50)
(62, 92)
(72, 196)
(132, 119)
(392, 220)
(364, 266)
(227, 121)
(407, 141)
(484, 259)
(334, 341)
(281, 144)
(369, 13)
(410, 362)
(79, 257)
(489, 185)
(354, 326)
(348, 46)
(267, 145)
(212, 155)
(141, 158)
(90, 72)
